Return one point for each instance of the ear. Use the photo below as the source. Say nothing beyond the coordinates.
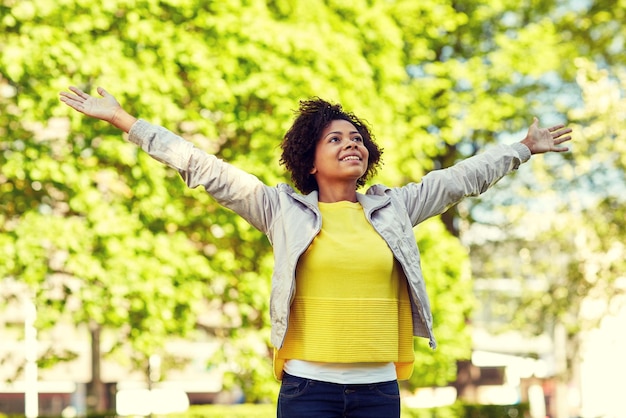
(313, 171)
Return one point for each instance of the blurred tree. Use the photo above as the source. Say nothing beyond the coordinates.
(484, 69)
(477, 70)
(566, 226)
(108, 238)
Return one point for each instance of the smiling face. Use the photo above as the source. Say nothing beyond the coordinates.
(340, 156)
(315, 119)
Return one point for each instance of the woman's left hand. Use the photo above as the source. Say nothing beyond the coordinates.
(540, 140)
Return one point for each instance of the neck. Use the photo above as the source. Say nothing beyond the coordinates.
(337, 195)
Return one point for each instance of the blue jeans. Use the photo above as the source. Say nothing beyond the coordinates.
(305, 398)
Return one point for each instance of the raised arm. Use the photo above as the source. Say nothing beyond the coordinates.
(105, 108)
(440, 189)
(231, 187)
(540, 140)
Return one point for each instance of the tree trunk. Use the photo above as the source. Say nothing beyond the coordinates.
(96, 392)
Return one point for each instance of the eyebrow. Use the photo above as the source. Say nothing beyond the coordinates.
(339, 132)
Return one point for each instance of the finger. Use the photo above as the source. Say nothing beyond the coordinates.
(79, 92)
(556, 127)
(68, 97)
(74, 104)
(102, 92)
(561, 132)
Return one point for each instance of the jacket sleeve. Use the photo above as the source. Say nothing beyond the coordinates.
(441, 189)
(231, 187)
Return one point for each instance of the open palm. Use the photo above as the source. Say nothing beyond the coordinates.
(540, 140)
(104, 108)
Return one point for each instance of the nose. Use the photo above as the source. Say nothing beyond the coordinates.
(349, 144)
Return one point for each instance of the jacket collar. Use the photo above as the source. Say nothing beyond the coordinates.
(370, 202)
(311, 198)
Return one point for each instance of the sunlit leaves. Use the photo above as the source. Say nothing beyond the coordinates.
(136, 251)
(447, 269)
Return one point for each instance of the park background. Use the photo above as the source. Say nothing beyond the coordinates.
(113, 275)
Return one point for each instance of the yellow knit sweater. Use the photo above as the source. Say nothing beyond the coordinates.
(351, 302)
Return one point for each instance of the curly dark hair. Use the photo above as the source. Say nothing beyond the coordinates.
(298, 145)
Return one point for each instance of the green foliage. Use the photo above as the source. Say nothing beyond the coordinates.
(496, 411)
(453, 411)
(572, 219)
(447, 269)
(234, 411)
(269, 410)
(103, 234)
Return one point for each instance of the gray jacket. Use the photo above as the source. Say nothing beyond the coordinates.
(291, 220)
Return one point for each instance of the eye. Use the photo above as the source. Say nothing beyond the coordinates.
(334, 139)
(357, 139)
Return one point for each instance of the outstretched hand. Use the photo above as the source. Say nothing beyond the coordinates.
(540, 140)
(104, 108)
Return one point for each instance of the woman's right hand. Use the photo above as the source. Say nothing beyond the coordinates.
(103, 108)
(106, 108)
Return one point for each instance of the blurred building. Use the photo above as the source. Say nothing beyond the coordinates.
(63, 387)
(510, 367)
(505, 367)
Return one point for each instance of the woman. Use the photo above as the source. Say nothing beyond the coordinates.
(347, 289)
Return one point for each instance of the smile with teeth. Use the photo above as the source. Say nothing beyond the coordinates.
(351, 158)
